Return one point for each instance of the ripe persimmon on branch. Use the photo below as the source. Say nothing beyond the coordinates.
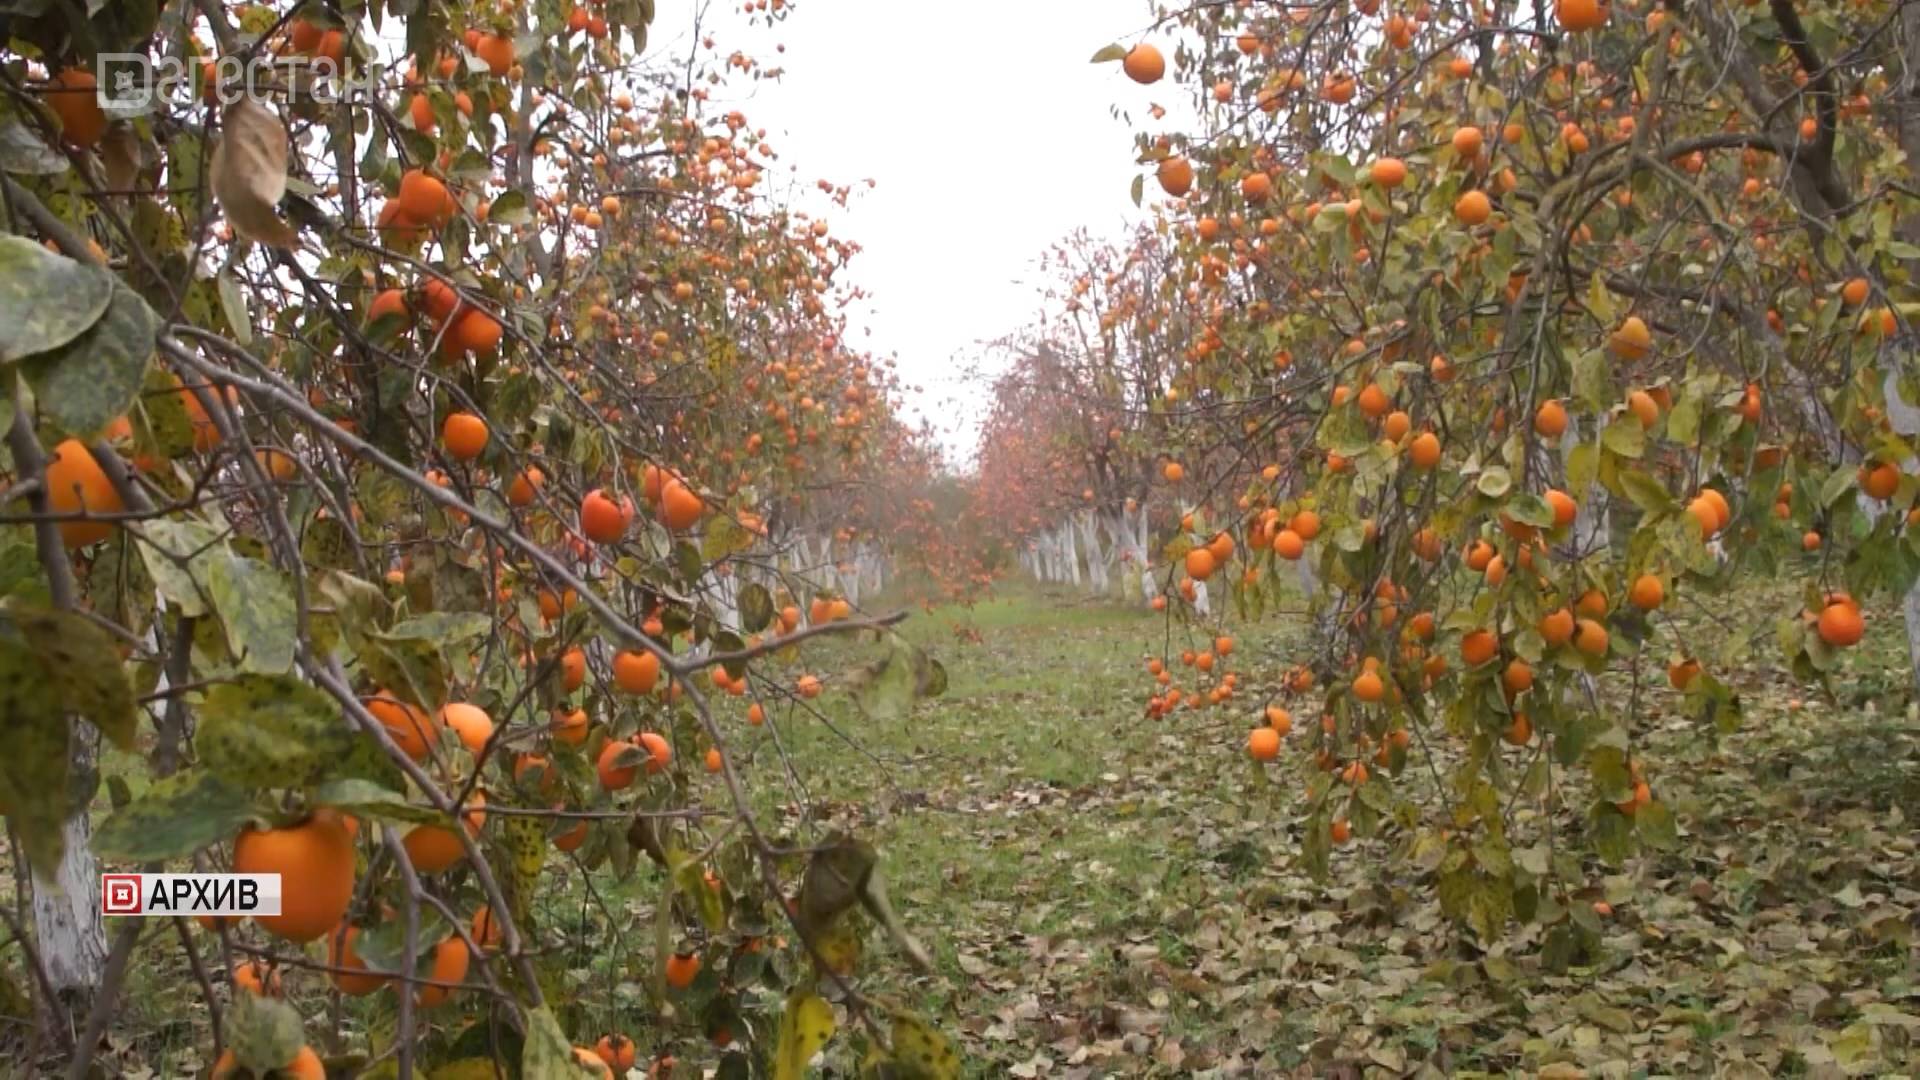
(407, 483)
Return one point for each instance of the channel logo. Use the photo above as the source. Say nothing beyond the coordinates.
(235, 895)
(128, 85)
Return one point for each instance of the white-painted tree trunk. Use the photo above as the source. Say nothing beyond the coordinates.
(1593, 521)
(66, 906)
(1069, 553)
(1905, 420)
(847, 580)
(1099, 555)
(1129, 545)
(1201, 603)
(822, 572)
(721, 592)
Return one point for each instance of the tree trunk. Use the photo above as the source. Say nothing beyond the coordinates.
(847, 577)
(1069, 552)
(1099, 556)
(722, 593)
(1593, 520)
(66, 907)
(1905, 420)
(1128, 552)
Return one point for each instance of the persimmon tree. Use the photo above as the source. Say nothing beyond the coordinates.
(1546, 327)
(1065, 449)
(426, 472)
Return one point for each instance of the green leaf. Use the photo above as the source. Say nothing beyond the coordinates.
(326, 543)
(161, 426)
(411, 668)
(510, 208)
(1490, 905)
(364, 798)
(726, 641)
(233, 305)
(1683, 423)
(1109, 54)
(33, 771)
(1837, 485)
(1592, 382)
(1600, 300)
(1624, 437)
(358, 606)
(46, 300)
(1494, 482)
(884, 690)
(115, 584)
(86, 382)
(1655, 824)
(1611, 832)
(805, 1027)
(1583, 465)
(368, 762)
(442, 628)
(21, 578)
(263, 1030)
(547, 1054)
(384, 947)
(486, 1040)
(173, 818)
(756, 608)
(471, 166)
(80, 670)
(887, 688)
(271, 731)
(1531, 509)
(687, 562)
(256, 607)
(178, 555)
(690, 879)
(1646, 493)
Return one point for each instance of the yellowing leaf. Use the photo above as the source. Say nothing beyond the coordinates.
(805, 1028)
(920, 1052)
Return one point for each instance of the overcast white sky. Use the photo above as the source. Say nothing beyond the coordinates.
(988, 133)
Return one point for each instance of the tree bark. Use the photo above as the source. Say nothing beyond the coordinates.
(66, 907)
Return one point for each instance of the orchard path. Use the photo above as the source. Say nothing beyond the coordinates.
(1111, 895)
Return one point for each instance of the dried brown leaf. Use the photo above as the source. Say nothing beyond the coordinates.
(250, 173)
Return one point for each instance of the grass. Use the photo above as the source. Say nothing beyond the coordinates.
(1107, 894)
(1118, 895)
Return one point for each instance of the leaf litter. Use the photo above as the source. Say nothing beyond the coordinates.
(1110, 895)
